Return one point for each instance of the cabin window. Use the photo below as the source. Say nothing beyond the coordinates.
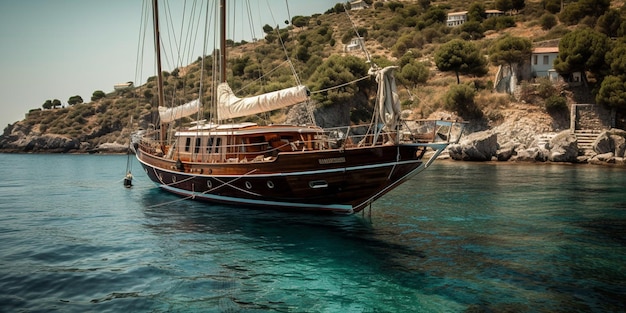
(213, 145)
(218, 144)
(187, 144)
(196, 149)
(546, 59)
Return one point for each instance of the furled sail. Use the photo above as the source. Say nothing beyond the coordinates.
(168, 115)
(230, 106)
(388, 101)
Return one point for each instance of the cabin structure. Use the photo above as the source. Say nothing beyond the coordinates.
(493, 13)
(456, 18)
(355, 44)
(358, 5)
(123, 86)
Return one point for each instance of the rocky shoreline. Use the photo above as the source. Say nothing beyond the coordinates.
(608, 149)
(524, 134)
(484, 146)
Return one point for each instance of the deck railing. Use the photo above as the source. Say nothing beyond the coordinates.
(409, 132)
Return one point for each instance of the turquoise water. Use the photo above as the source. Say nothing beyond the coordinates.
(460, 237)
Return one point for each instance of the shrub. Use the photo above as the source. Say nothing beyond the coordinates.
(556, 104)
(460, 98)
(547, 21)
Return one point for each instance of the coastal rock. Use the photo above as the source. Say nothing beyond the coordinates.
(611, 141)
(479, 146)
(50, 143)
(507, 150)
(563, 147)
(112, 148)
(532, 154)
(604, 158)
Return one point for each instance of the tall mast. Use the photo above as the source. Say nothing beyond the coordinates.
(222, 41)
(157, 47)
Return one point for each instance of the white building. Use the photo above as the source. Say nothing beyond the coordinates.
(542, 62)
(456, 18)
(358, 5)
(355, 44)
(493, 13)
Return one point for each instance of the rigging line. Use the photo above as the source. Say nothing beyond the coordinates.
(282, 44)
(342, 85)
(236, 179)
(288, 13)
(204, 48)
(250, 21)
(141, 41)
(361, 44)
(260, 78)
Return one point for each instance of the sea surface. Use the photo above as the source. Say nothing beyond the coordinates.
(460, 237)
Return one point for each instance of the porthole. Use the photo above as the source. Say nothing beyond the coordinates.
(248, 185)
(209, 183)
(173, 179)
(270, 184)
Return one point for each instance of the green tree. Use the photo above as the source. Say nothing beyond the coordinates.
(547, 21)
(339, 8)
(472, 30)
(609, 23)
(300, 21)
(268, 29)
(509, 50)
(582, 50)
(425, 4)
(56, 103)
(414, 73)
(460, 98)
(574, 12)
(552, 6)
(518, 4)
(616, 59)
(337, 71)
(460, 57)
(47, 105)
(504, 5)
(75, 100)
(476, 12)
(612, 93)
(433, 15)
(97, 95)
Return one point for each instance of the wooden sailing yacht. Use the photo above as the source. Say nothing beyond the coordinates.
(288, 167)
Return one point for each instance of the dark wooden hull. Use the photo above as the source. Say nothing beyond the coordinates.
(335, 180)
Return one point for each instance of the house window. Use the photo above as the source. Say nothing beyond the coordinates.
(546, 59)
(534, 59)
(187, 144)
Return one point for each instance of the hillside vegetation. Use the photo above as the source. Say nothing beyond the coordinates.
(409, 34)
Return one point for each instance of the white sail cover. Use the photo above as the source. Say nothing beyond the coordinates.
(388, 100)
(230, 106)
(168, 115)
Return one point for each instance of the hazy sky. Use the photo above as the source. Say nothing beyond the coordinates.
(55, 49)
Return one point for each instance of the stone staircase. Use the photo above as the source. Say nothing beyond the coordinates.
(585, 138)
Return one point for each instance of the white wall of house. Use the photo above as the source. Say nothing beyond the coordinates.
(542, 62)
(456, 18)
(358, 5)
(355, 44)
